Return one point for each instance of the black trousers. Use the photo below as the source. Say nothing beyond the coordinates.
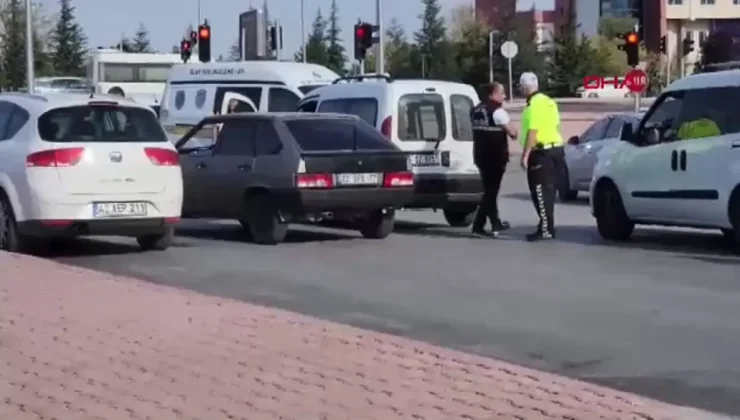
(543, 175)
(491, 176)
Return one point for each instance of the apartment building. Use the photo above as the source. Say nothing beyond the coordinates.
(496, 11)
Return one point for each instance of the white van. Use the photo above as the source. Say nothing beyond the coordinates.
(197, 90)
(428, 118)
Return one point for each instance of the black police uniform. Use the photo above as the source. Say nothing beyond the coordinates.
(491, 155)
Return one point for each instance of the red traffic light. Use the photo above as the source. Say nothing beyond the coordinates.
(204, 33)
(360, 32)
(632, 38)
(185, 46)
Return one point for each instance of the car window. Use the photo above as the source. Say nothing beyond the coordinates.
(718, 105)
(665, 112)
(336, 134)
(102, 122)
(421, 116)
(365, 108)
(253, 93)
(6, 110)
(282, 100)
(267, 140)
(205, 137)
(18, 118)
(596, 131)
(462, 128)
(615, 128)
(236, 138)
(308, 106)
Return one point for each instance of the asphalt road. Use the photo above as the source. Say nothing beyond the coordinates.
(660, 316)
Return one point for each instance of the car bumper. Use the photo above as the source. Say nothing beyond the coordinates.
(438, 190)
(117, 227)
(350, 200)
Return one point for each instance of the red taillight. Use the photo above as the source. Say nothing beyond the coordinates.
(55, 158)
(56, 223)
(162, 157)
(398, 179)
(171, 220)
(315, 181)
(385, 128)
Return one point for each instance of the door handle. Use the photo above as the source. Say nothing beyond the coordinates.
(682, 160)
(245, 167)
(201, 165)
(674, 160)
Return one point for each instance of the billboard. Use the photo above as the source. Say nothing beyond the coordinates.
(252, 34)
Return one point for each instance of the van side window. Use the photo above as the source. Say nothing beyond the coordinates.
(708, 112)
(308, 106)
(461, 107)
(282, 100)
(365, 108)
(421, 117)
(253, 93)
(6, 110)
(17, 120)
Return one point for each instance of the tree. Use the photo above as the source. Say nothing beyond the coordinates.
(68, 43)
(398, 52)
(335, 58)
(316, 51)
(432, 43)
(13, 46)
(529, 58)
(615, 27)
(470, 38)
(141, 43)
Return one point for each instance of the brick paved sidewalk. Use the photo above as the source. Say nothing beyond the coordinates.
(76, 344)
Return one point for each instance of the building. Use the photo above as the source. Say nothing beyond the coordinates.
(496, 11)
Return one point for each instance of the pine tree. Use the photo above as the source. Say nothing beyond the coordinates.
(432, 42)
(13, 46)
(316, 51)
(68, 43)
(571, 58)
(398, 52)
(141, 42)
(335, 50)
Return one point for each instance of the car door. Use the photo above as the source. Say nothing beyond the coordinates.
(647, 173)
(196, 159)
(579, 156)
(590, 155)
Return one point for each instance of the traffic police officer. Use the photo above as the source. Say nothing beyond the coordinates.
(543, 157)
(491, 126)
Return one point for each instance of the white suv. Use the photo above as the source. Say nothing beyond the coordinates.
(680, 167)
(74, 164)
(430, 119)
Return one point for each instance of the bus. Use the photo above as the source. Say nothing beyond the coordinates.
(137, 76)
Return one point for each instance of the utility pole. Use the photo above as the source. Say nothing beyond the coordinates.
(380, 59)
(30, 71)
(303, 28)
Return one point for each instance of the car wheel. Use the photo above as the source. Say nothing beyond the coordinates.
(733, 235)
(247, 231)
(592, 95)
(611, 218)
(10, 239)
(158, 241)
(378, 225)
(263, 219)
(564, 191)
(460, 217)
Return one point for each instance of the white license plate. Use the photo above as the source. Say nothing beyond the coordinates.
(358, 179)
(425, 160)
(103, 210)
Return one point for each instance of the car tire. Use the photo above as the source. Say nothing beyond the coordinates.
(378, 225)
(263, 220)
(10, 239)
(460, 218)
(157, 241)
(732, 236)
(611, 217)
(564, 191)
(247, 231)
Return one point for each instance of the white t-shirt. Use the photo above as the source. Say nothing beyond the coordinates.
(501, 117)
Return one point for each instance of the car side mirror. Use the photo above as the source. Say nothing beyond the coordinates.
(573, 141)
(652, 136)
(627, 133)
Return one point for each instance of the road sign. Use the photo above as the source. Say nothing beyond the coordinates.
(509, 49)
(636, 81)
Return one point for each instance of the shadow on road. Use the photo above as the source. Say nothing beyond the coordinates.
(86, 247)
(582, 199)
(232, 233)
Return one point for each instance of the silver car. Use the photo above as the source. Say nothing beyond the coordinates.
(581, 152)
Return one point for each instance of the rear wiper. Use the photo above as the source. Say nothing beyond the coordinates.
(436, 144)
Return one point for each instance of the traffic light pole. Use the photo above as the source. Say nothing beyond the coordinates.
(380, 58)
(637, 97)
(30, 71)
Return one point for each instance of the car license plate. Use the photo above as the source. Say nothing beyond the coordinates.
(425, 160)
(358, 179)
(103, 210)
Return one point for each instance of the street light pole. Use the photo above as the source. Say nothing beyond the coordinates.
(30, 76)
(380, 59)
(303, 28)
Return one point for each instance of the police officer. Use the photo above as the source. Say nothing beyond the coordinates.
(543, 157)
(491, 127)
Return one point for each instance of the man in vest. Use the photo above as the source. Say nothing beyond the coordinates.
(491, 127)
(542, 157)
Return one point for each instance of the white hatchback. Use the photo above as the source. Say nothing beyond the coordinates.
(72, 164)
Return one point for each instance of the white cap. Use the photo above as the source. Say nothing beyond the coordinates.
(528, 79)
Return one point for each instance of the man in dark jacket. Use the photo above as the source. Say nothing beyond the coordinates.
(491, 129)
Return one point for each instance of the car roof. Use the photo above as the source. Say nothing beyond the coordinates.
(290, 73)
(725, 78)
(37, 104)
(291, 116)
(377, 86)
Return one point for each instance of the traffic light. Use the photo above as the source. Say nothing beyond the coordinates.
(688, 44)
(363, 39)
(186, 50)
(193, 37)
(663, 48)
(204, 43)
(631, 47)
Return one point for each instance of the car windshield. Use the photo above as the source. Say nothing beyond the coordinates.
(336, 134)
(102, 122)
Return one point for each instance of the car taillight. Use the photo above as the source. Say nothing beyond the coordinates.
(55, 158)
(398, 179)
(385, 128)
(162, 157)
(315, 181)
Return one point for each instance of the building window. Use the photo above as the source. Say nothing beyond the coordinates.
(679, 2)
(707, 2)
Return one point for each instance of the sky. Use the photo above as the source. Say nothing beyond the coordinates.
(105, 21)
